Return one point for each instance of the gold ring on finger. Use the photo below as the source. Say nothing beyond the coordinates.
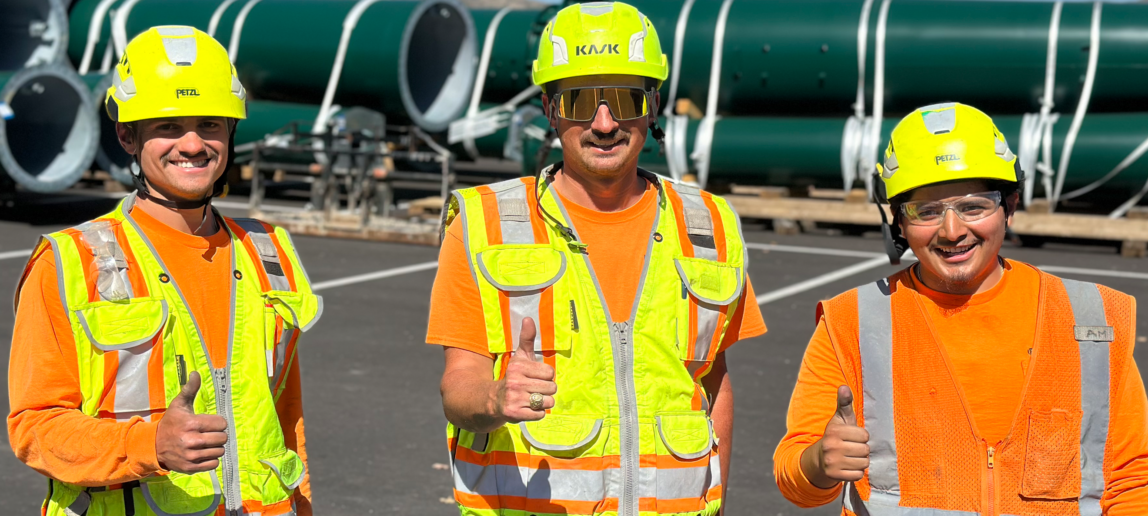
(536, 401)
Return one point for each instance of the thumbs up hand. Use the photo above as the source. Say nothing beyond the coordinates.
(186, 442)
(525, 377)
(842, 453)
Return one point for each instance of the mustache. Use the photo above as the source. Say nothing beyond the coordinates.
(208, 154)
(593, 137)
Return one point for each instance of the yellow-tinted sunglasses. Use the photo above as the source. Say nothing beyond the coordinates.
(581, 104)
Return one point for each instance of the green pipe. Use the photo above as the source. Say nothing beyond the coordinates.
(48, 131)
(32, 33)
(515, 47)
(800, 56)
(807, 151)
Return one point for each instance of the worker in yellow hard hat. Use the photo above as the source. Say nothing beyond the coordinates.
(154, 367)
(585, 313)
(966, 383)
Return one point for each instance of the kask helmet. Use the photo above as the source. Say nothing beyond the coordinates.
(599, 38)
(172, 71)
(945, 142)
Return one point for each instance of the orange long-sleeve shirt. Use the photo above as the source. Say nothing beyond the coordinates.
(46, 428)
(991, 373)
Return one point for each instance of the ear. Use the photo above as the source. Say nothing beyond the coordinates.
(547, 108)
(128, 138)
(655, 104)
(1011, 204)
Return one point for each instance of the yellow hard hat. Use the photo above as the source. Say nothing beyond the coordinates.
(172, 71)
(599, 38)
(946, 142)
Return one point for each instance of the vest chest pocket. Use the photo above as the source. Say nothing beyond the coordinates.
(521, 275)
(127, 332)
(709, 289)
(285, 315)
(685, 472)
(1052, 455)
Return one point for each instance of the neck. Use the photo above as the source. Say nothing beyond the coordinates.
(983, 282)
(601, 193)
(193, 221)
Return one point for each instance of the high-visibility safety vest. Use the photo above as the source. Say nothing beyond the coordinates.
(137, 342)
(629, 433)
(925, 455)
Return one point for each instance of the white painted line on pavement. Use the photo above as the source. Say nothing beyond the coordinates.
(8, 255)
(397, 271)
(823, 279)
(813, 250)
(1093, 272)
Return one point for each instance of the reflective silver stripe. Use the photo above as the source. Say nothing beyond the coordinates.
(514, 218)
(1088, 310)
(132, 379)
(104, 244)
(281, 355)
(699, 223)
(268, 253)
(875, 507)
(876, 347)
(581, 485)
(80, 505)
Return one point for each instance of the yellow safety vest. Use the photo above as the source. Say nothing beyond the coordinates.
(137, 342)
(630, 432)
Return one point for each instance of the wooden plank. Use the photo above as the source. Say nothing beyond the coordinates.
(1063, 225)
(347, 226)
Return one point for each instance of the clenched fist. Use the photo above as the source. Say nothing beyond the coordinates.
(187, 442)
(842, 453)
(524, 377)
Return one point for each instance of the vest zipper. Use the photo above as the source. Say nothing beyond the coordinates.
(232, 497)
(990, 504)
(628, 409)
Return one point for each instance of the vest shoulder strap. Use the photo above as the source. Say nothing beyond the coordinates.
(262, 249)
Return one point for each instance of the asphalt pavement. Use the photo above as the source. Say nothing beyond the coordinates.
(374, 424)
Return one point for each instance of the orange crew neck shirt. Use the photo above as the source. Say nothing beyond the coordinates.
(616, 244)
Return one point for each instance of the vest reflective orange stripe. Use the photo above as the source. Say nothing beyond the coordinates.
(617, 441)
(925, 458)
(137, 341)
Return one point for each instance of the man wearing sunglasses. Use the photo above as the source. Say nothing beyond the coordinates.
(585, 312)
(966, 383)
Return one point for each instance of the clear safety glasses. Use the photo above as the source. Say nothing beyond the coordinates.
(581, 104)
(969, 208)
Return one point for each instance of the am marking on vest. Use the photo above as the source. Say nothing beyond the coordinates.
(1095, 333)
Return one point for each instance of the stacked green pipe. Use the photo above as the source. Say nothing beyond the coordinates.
(32, 33)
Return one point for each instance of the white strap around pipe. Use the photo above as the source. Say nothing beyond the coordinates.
(237, 29)
(349, 24)
(677, 125)
(862, 44)
(119, 26)
(480, 76)
(870, 150)
(1036, 130)
(1081, 107)
(213, 25)
(1140, 150)
(95, 26)
(854, 132)
(704, 142)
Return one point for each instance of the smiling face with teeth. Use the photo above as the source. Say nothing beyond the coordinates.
(959, 257)
(181, 157)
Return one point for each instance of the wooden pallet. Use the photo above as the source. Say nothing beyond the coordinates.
(345, 225)
(789, 214)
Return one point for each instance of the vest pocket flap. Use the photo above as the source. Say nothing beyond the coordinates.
(560, 433)
(288, 467)
(712, 282)
(301, 309)
(520, 268)
(113, 326)
(688, 435)
(177, 494)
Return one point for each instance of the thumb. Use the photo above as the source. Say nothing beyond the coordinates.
(526, 339)
(185, 400)
(845, 406)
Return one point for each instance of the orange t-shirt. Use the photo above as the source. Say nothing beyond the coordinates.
(45, 426)
(987, 338)
(616, 245)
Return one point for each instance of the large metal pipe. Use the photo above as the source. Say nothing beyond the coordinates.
(32, 33)
(793, 151)
(414, 61)
(48, 131)
(800, 56)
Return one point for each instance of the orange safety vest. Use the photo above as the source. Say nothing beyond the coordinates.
(925, 457)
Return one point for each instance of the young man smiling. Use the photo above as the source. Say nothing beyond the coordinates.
(585, 313)
(121, 320)
(984, 385)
